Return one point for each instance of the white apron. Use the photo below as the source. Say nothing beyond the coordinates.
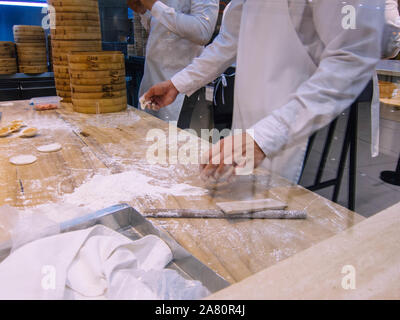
(272, 63)
(166, 54)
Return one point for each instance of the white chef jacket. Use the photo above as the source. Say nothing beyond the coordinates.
(179, 30)
(298, 68)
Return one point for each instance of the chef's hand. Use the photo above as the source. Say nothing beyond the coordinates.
(137, 6)
(228, 158)
(161, 95)
(148, 4)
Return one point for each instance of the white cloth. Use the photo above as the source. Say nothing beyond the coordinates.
(297, 69)
(96, 263)
(179, 30)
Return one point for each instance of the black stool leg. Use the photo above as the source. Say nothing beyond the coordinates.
(353, 158)
(343, 158)
(325, 153)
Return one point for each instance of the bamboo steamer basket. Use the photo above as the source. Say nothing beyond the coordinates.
(99, 95)
(8, 70)
(60, 51)
(106, 103)
(97, 88)
(31, 49)
(96, 66)
(97, 57)
(93, 106)
(65, 87)
(74, 26)
(76, 9)
(7, 49)
(97, 81)
(76, 74)
(61, 76)
(76, 33)
(8, 62)
(73, 16)
(64, 93)
(62, 3)
(32, 69)
(28, 33)
(27, 28)
(61, 70)
(37, 63)
(76, 45)
(7, 53)
(100, 109)
(72, 22)
(30, 46)
(62, 82)
(76, 29)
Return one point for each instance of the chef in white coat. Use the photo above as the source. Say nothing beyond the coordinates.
(300, 64)
(178, 31)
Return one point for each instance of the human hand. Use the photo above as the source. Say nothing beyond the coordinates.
(137, 6)
(161, 95)
(234, 155)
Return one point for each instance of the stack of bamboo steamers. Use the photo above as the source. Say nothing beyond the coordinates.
(74, 26)
(31, 49)
(8, 60)
(98, 81)
(93, 80)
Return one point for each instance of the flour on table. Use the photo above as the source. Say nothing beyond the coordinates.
(50, 148)
(115, 120)
(103, 191)
(23, 160)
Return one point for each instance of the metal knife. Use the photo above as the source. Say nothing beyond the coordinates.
(219, 214)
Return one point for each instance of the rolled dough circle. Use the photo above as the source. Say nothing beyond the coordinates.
(23, 160)
(50, 147)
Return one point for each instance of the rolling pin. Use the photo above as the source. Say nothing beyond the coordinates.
(219, 214)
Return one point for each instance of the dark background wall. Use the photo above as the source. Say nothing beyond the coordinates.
(12, 15)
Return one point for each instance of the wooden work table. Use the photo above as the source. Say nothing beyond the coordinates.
(117, 142)
(363, 262)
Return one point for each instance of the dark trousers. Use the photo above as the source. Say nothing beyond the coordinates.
(189, 105)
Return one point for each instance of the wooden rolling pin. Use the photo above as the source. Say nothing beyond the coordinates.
(219, 214)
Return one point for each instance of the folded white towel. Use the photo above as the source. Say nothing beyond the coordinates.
(96, 263)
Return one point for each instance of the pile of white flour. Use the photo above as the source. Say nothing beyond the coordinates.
(103, 191)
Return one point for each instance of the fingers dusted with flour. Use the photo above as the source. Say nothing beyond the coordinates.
(234, 155)
(161, 95)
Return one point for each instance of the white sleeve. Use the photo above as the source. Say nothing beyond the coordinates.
(145, 20)
(347, 65)
(198, 26)
(216, 57)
